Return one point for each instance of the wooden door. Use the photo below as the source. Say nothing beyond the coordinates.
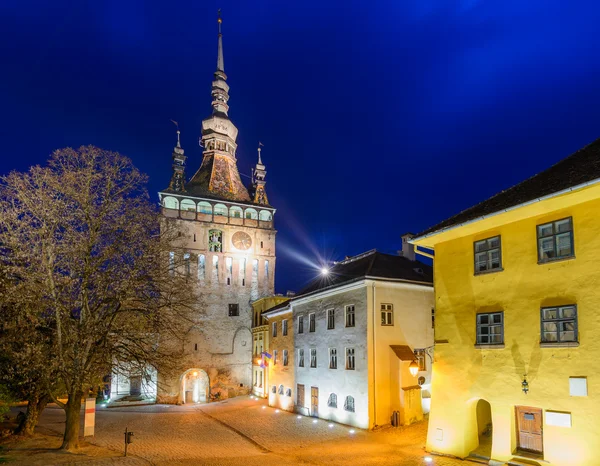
(314, 401)
(300, 396)
(529, 429)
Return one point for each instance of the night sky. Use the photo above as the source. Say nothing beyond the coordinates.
(377, 118)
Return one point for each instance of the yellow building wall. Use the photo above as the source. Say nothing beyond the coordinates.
(278, 373)
(463, 374)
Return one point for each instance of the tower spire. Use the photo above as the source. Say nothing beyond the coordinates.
(178, 177)
(220, 62)
(220, 89)
(259, 173)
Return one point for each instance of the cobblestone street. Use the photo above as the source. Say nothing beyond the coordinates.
(246, 431)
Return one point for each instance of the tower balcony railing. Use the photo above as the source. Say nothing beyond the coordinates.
(223, 219)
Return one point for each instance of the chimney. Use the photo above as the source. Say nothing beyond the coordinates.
(408, 250)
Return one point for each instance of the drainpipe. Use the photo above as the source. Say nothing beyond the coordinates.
(374, 362)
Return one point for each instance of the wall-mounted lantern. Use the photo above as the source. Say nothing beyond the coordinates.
(525, 385)
(413, 368)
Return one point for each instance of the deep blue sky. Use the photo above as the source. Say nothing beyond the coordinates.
(377, 117)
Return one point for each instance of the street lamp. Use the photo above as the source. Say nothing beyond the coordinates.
(413, 368)
(324, 271)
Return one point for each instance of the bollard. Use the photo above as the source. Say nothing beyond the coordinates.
(128, 439)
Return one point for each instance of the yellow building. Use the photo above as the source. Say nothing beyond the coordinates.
(260, 343)
(517, 287)
(280, 370)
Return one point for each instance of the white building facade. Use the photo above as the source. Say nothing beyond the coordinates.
(356, 338)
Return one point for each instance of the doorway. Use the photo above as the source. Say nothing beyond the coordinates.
(195, 386)
(314, 401)
(135, 387)
(484, 430)
(529, 429)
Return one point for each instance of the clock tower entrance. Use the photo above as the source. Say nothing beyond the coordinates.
(227, 246)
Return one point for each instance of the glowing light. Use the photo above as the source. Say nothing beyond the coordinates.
(413, 368)
(330, 426)
(352, 431)
(276, 410)
(195, 374)
(324, 271)
(315, 421)
(298, 417)
(264, 407)
(428, 459)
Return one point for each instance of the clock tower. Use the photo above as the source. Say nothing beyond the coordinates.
(227, 246)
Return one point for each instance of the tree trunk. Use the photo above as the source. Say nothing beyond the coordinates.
(35, 406)
(72, 411)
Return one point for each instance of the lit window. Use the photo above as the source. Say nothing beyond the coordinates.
(487, 255)
(420, 355)
(332, 401)
(490, 328)
(171, 262)
(266, 268)
(300, 324)
(301, 357)
(221, 210)
(284, 328)
(215, 241)
(387, 314)
(274, 389)
(288, 392)
(186, 263)
(559, 324)
(313, 357)
(280, 392)
(201, 266)
(311, 322)
(349, 404)
(285, 357)
(350, 321)
(234, 310)
(274, 326)
(332, 358)
(330, 319)
(555, 240)
(350, 362)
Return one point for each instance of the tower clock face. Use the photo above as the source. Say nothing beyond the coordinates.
(241, 240)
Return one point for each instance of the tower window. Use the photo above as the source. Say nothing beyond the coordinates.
(261, 244)
(195, 346)
(215, 241)
(186, 263)
(234, 310)
(194, 237)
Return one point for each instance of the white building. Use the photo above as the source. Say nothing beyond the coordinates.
(357, 330)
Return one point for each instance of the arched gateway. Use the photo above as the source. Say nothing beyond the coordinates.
(194, 386)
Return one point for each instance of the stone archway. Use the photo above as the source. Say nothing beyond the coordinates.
(194, 386)
(483, 413)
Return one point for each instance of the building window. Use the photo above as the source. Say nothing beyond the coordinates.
(274, 325)
(420, 356)
(349, 404)
(387, 314)
(234, 310)
(559, 324)
(300, 395)
(432, 318)
(285, 357)
(274, 389)
(330, 319)
(201, 266)
(195, 346)
(171, 262)
(487, 255)
(301, 357)
(555, 240)
(490, 328)
(332, 401)
(267, 269)
(215, 240)
(350, 363)
(332, 358)
(284, 330)
(280, 392)
(186, 263)
(275, 357)
(313, 357)
(300, 324)
(350, 316)
(288, 392)
(311, 322)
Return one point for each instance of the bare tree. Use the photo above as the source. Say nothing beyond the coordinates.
(87, 255)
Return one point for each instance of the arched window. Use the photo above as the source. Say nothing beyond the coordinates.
(349, 404)
(235, 212)
(204, 208)
(221, 209)
(265, 216)
(170, 203)
(280, 392)
(251, 214)
(188, 204)
(332, 402)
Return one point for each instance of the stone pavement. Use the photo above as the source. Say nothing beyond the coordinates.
(245, 431)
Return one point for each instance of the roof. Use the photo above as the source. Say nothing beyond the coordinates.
(276, 307)
(372, 264)
(581, 167)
